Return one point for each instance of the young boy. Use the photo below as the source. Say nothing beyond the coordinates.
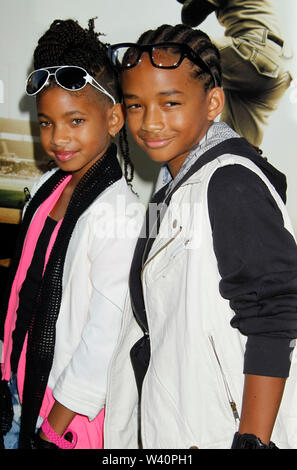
(217, 248)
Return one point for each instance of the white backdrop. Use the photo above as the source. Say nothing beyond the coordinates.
(23, 21)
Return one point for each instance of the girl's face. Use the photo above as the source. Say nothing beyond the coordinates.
(75, 127)
(168, 111)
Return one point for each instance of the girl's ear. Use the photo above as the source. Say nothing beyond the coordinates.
(216, 102)
(116, 119)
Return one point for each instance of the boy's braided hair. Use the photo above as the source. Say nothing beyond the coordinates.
(67, 43)
(197, 40)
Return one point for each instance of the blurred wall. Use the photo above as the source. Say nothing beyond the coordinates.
(22, 23)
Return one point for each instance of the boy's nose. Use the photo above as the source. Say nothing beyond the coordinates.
(152, 120)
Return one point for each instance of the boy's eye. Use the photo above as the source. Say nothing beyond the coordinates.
(133, 106)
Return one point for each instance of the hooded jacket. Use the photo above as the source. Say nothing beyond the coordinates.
(192, 390)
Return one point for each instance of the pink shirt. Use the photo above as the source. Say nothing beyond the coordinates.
(90, 433)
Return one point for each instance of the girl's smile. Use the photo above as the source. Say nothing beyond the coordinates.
(65, 155)
(168, 111)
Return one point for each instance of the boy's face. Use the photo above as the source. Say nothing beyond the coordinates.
(167, 110)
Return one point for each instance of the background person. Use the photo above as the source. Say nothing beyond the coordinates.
(254, 76)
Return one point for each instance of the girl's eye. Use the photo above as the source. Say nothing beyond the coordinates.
(77, 121)
(44, 124)
(170, 104)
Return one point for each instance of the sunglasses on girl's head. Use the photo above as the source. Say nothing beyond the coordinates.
(69, 77)
(164, 55)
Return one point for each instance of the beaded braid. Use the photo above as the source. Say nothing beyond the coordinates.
(67, 43)
(124, 147)
(197, 40)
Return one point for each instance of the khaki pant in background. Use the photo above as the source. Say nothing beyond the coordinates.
(254, 81)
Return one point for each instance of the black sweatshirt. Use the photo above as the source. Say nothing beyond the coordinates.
(257, 260)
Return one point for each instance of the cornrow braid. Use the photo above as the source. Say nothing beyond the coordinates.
(197, 40)
(67, 43)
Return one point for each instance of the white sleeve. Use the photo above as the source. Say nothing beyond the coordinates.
(82, 385)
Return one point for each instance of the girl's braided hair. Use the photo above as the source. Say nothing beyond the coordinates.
(67, 43)
(197, 40)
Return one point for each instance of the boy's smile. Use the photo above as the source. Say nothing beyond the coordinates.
(167, 111)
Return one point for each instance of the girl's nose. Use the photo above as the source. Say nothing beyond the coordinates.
(60, 136)
(152, 120)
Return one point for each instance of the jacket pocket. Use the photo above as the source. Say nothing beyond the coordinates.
(228, 392)
(264, 64)
(165, 256)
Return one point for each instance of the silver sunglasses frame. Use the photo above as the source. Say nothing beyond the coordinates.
(88, 78)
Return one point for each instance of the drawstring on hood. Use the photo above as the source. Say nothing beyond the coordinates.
(221, 135)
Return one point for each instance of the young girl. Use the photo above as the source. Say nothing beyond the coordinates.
(70, 274)
(218, 249)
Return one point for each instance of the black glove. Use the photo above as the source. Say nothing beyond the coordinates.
(194, 12)
(39, 443)
(250, 441)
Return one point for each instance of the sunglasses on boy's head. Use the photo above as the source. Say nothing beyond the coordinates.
(69, 77)
(164, 55)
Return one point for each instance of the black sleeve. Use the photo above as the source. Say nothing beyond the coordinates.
(257, 261)
(197, 12)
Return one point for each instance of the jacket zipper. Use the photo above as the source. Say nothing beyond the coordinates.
(159, 251)
(228, 391)
(145, 330)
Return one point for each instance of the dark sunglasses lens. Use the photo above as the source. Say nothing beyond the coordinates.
(71, 78)
(126, 56)
(164, 56)
(36, 81)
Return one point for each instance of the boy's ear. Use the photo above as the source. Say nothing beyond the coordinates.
(216, 102)
(116, 118)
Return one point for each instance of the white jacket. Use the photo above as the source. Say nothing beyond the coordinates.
(195, 377)
(95, 283)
